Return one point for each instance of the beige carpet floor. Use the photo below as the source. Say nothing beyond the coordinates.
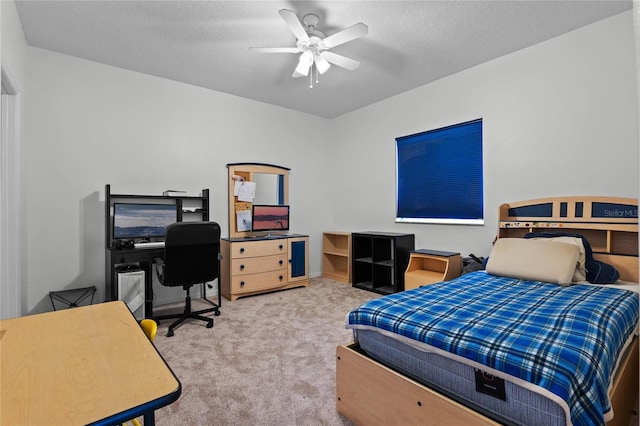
(268, 360)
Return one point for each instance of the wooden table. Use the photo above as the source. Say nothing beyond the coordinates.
(86, 365)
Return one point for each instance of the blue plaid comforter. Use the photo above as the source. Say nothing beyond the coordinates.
(563, 339)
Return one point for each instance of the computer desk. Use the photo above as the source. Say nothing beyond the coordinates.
(86, 365)
(145, 258)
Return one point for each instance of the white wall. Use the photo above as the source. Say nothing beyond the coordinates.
(559, 118)
(13, 47)
(91, 124)
(13, 43)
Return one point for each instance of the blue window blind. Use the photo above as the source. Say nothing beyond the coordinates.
(439, 175)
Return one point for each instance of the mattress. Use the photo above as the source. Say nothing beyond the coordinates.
(456, 380)
(516, 401)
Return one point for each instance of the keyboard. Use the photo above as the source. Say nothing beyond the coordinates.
(156, 244)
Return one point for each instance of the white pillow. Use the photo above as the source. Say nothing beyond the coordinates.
(534, 259)
(580, 274)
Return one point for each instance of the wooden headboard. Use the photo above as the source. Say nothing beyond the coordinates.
(610, 224)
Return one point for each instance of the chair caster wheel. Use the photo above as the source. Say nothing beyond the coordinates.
(217, 313)
(169, 333)
(210, 325)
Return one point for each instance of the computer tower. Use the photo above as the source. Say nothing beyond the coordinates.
(131, 291)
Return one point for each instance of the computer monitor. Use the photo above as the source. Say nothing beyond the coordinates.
(132, 220)
(265, 217)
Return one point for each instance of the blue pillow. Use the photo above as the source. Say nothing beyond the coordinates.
(597, 272)
(602, 273)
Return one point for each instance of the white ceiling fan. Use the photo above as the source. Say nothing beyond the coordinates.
(314, 45)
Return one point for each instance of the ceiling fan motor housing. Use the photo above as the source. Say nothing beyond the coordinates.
(310, 21)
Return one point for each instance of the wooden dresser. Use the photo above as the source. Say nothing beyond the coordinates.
(259, 265)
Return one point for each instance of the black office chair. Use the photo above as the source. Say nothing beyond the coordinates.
(191, 256)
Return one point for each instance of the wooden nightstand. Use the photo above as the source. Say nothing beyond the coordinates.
(431, 266)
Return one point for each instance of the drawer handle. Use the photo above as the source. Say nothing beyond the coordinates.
(241, 267)
(281, 262)
(241, 249)
(281, 277)
(241, 283)
(280, 246)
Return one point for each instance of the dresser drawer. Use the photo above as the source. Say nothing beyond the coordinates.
(258, 248)
(254, 265)
(255, 282)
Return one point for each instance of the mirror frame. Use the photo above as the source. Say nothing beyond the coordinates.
(247, 171)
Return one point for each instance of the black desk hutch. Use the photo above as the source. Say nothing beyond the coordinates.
(189, 208)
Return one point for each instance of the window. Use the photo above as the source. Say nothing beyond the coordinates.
(439, 175)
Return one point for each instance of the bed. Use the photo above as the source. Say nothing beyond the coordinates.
(494, 347)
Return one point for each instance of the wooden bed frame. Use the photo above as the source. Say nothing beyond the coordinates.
(369, 393)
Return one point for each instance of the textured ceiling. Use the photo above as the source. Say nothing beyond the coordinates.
(205, 43)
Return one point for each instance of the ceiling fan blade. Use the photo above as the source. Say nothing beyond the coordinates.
(306, 59)
(339, 60)
(275, 49)
(294, 24)
(348, 34)
(322, 64)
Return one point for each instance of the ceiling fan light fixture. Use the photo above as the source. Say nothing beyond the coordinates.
(322, 64)
(304, 63)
